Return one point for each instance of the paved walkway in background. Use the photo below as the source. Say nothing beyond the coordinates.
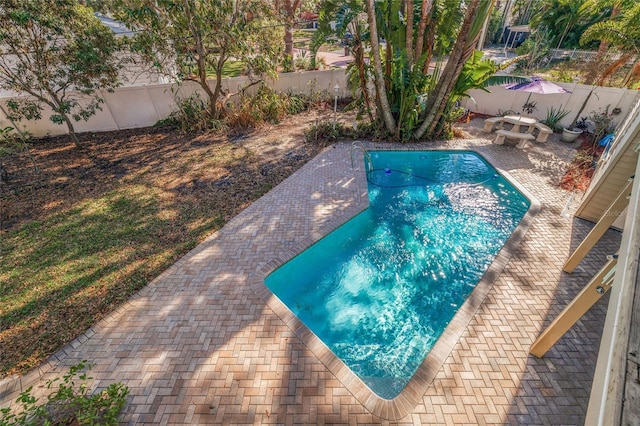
(199, 346)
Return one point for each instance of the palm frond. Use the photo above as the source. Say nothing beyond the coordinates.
(499, 80)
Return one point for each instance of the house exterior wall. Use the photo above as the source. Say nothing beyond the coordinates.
(613, 171)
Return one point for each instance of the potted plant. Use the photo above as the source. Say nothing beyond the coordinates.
(529, 107)
(570, 135)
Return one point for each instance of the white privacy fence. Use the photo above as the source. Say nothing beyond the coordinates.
(142, 106)
(598, 98)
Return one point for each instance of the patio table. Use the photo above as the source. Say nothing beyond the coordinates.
(518, 121)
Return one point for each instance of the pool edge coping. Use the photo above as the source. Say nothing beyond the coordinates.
(403, 404)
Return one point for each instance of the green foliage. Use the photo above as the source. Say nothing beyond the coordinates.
(562, 75)
(494, 27)
(600, 124)
(448, 15)
(621, 31)
(406, 87)
(71, 403)
(476, 73)
(11, 141)
(303, 61)
(54, 52)
(529, 107)
(191, 37)
(343, 15)
(554, 116)
(192, 115)
(534, 52)
(564, 21)
(327, 132)
(266, 106)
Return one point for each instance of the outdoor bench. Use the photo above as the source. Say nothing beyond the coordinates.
(523, 137)
(490, 122)
(544, 132)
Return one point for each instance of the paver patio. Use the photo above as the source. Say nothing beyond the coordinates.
(199, 345)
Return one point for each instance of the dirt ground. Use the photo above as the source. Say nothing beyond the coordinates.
(66, 175)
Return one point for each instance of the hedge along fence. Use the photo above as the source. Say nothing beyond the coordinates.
(597, 97)
(142, 106)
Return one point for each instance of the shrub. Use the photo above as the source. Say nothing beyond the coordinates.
(265, 106)
(70, 404)
(192, 115)
(554, 116)
(328, 132)
(12, 142)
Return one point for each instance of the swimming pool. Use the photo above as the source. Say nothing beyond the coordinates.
(381, 289)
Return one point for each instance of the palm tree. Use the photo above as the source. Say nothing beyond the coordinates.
(438, 100)
(623, 32)
(338, 18)
(410, 102)
(563, 19)
(381, 92)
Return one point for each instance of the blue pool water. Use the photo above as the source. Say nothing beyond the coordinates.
(381, 289)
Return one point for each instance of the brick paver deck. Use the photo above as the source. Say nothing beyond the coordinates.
(201, 345)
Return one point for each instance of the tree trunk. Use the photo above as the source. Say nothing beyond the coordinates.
(430, 40)
(425, 13)
(381, 93)
(201, 62)
(72, 132)
(202, 80)
(595, 65)
(612, 68)
(289, 21)
(439, 98)
(358, 55)
(288, 46)
(409, 43)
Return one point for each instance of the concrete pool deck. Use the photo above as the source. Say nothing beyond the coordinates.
(199, 345)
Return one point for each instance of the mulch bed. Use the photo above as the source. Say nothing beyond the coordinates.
(580, 171)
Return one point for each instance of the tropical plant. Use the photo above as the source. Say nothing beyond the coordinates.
(534, 52)
(529, 107)
(411, 102)
(554, 116)
(59, 55)
(338, 18)
(327, 132)
(599, 123)
(623, 32)
(564, 21)
(438, 100)
(617, 7)
(192, 115)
